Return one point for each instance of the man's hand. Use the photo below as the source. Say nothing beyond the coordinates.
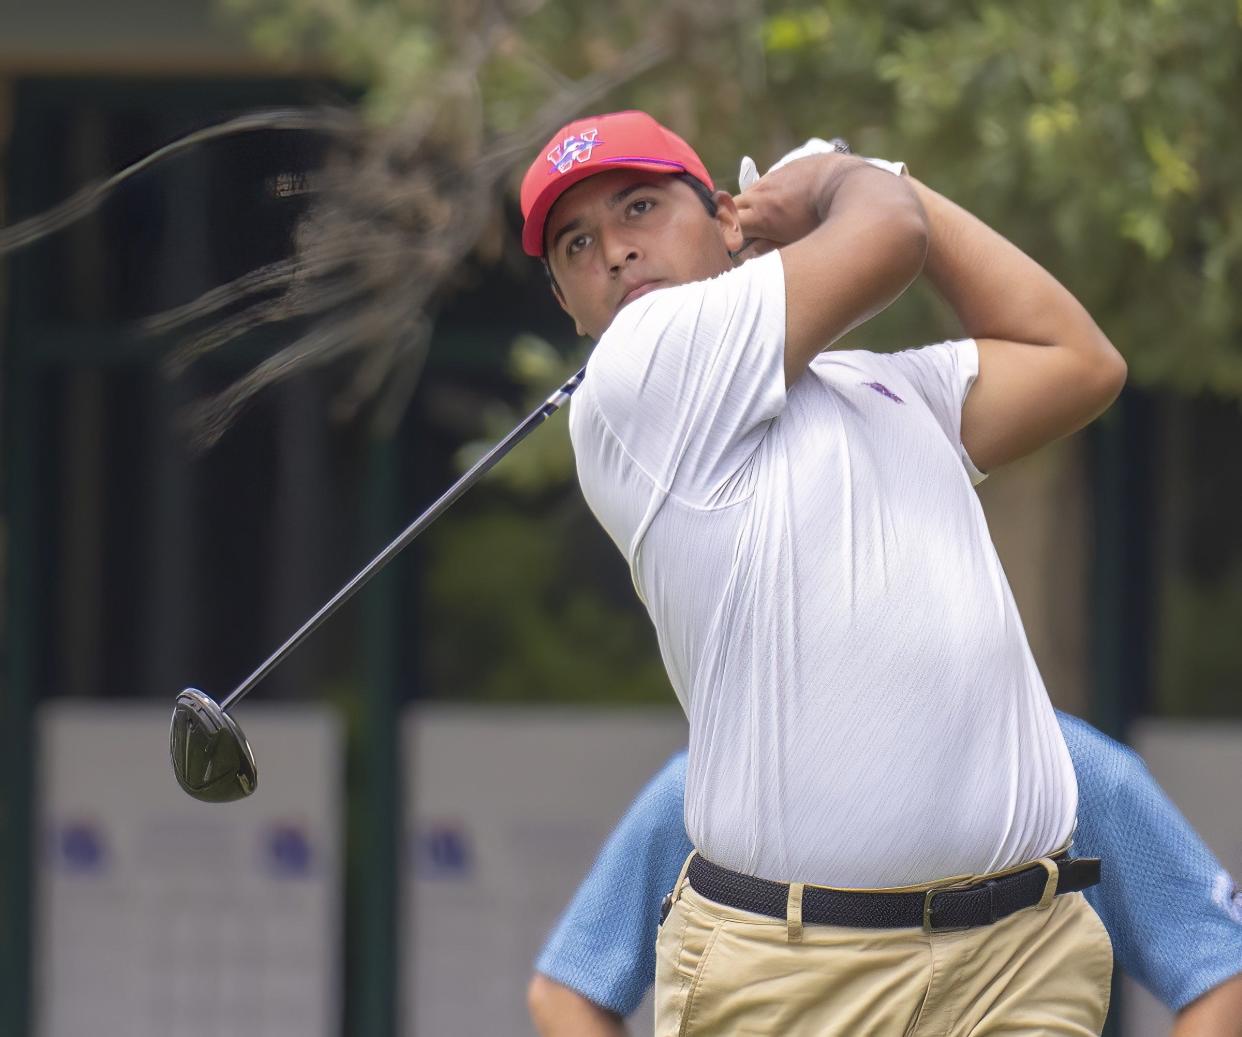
(558, 1011)
(1218, 1013)
(853, 237)
(791, 201)
(748, 176)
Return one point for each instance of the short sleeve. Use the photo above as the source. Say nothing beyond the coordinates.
(688, 378)
(603, 947)
(942, 375)
(1172, 911)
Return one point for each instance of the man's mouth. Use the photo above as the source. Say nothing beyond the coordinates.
(637, 293)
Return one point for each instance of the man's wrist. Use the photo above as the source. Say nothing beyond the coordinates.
(818, 148)
(896, 168)
(842, 168)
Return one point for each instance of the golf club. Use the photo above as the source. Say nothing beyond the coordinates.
(210, 755)
(211, 758)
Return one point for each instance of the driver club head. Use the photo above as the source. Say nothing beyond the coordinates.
(210, 755)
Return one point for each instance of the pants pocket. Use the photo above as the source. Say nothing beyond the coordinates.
(1098, 945)
(681, 950)
(689, 1016)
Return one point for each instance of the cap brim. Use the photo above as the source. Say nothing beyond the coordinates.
(532, 229)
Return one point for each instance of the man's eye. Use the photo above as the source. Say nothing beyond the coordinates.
(576, 244)
(641, 206)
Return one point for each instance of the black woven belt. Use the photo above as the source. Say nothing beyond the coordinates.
(939, 909)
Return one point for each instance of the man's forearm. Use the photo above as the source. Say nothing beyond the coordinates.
(1218, 1013)
(853, 238)
(994, 288)
(558, 1011)
(1045, 367)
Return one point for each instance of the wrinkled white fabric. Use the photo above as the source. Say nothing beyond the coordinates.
(864, 709)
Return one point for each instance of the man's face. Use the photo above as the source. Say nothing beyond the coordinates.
(617, 235)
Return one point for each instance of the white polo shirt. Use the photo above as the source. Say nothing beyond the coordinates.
(864, 708)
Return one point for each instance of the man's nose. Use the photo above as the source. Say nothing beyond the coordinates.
(619, 252)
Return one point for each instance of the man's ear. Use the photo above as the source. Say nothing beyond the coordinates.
(727, 218)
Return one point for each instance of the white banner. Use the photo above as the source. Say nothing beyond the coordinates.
(160, 916)
(506, 810)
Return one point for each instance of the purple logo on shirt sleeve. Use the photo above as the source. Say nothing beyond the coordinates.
(884, 390)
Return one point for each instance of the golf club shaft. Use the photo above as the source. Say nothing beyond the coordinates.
(480, 468)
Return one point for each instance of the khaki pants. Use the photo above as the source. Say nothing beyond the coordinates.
(721, 971)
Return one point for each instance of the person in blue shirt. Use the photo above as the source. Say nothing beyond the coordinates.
(1173, 913)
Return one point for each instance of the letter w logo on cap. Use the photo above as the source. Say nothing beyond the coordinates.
(575, 148)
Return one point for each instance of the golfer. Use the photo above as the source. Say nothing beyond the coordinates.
(1173, 913)
(877, 789)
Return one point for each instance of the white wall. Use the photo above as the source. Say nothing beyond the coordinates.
(520, 801)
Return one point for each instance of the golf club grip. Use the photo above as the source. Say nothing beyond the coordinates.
(446, 500)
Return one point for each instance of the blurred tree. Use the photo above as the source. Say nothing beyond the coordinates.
(1099, 136)
(558, 620)
(531, 603)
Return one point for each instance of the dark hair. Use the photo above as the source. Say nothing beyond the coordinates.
(701, 189)
(689, 179)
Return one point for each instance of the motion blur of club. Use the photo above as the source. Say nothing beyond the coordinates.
(262, 301)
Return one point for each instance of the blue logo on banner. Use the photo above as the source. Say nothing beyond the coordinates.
(81, 848)
(287, 851)
(442, 851)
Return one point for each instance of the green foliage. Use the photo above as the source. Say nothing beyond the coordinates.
(1100, 135)
(1097, 135)
(546, 460)
(393, 51)
(532, 604)
(532, 601)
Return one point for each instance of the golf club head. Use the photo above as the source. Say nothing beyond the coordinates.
(210, 755)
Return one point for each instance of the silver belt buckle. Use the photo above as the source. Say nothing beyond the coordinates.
(944, 887)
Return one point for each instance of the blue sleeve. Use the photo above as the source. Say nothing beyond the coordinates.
(1174, 914)
(603, 947)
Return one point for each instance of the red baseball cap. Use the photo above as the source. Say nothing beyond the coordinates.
(619, 140)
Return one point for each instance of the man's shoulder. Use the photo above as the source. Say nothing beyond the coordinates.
(670, 780)
(881, 371)
(1095, 752)
(664, 795)
(1077, 732)
(845, 360)
(889, 359)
